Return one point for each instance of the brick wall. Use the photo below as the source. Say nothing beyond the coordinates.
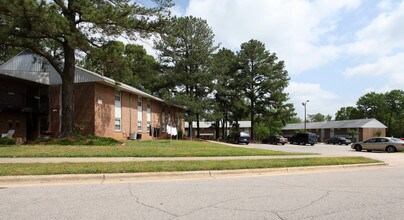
(84, 109)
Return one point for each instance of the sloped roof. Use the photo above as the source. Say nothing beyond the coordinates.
(207, 124)
(32, 67)
(358, 123)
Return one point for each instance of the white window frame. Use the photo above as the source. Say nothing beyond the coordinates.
(139, 115)
(148, 116)
(119, 124)
(118, 110)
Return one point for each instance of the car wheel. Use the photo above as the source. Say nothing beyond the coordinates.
(312, 144)
(247, 143)
(391, 149)
(283, 143)
(358, 147)
(369, 150)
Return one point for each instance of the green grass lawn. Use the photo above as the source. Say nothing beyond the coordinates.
(160, 148)
(166, 166)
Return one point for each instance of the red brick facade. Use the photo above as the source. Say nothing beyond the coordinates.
(94, 112)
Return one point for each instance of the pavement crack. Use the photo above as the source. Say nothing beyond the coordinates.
(103, 178)
(311, 203)
(147, 205)
(214, 205)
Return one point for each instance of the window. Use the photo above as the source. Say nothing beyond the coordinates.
(148, 116)
(139, 114)
(117, 124)
(118, 96)
(118, 111)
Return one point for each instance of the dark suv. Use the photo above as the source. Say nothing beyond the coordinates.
(238, 137)
(304, 138)
(338, 140)
(275, 139)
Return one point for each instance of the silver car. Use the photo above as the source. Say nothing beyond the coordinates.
(388, 144)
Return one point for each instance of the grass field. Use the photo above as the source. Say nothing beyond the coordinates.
(160, 148)
(166, 166)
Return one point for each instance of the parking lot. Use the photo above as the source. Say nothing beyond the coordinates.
(394, 159)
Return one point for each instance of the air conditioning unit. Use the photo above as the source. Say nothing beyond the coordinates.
(132, 136)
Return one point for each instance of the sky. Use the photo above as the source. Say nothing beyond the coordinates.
(334, 51)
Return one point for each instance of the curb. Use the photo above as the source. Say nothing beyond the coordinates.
(10, 181)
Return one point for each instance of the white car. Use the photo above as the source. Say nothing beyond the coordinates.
(388, 144)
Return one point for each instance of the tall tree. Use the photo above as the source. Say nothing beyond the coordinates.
(319, 117)
(395, 112)
(129, 64)
(264, 79)
(185, 50)
(7, 52)
(226, 89)
(58, 29)
(348, 113)
(373, 105)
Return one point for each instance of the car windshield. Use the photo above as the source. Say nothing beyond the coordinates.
(243, 134)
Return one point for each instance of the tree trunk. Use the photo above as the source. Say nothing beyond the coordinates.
(68, 93)
(197, 126)
(252, 126)
(190, 129)
(217, 130)
(223, 121)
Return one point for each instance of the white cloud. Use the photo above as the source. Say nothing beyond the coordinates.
(383, 35)
(320, 100)
(387, 70)
(294, 29)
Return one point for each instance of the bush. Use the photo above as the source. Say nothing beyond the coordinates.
(7, 141)
(89, 140)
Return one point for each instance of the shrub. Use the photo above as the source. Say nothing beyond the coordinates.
(7, 141)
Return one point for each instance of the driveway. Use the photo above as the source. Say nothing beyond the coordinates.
(394, 159)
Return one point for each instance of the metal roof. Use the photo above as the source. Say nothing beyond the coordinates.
(32, 67)
(207, 124)
(358, 123)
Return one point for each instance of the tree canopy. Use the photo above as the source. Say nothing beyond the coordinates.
(128, 63)
(185, 49)
(263, 78)
(385, 107)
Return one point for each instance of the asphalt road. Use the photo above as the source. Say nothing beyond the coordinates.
(360, 194)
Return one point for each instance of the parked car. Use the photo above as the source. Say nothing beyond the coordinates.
(388, 144)
(275, 139)
(338, 140)
(238, 137)
(304, 138)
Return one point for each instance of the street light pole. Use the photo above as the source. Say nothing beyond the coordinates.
(305, 104)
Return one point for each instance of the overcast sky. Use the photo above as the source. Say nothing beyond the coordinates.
(334, 51)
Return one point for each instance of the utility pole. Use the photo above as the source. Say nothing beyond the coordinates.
(305, 104)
